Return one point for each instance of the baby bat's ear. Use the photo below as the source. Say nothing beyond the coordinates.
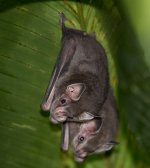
(105, 147)
(113, 143)
(75, 90)
(109, 145)
(93, 126)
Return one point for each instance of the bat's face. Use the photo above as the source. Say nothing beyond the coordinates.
(81, 142)
(91, 139)
(65, 101)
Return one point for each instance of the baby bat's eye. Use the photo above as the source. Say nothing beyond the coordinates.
(63, 101)
(81, 139)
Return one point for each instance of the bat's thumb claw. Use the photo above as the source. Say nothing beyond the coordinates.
(62, 20)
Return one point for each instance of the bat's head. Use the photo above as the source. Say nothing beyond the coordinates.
(64, 101)
(90, 139)
(86, 132)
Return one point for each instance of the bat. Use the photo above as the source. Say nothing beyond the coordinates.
(96, 135)
(80, 80)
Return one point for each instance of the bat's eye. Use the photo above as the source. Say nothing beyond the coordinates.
(63, 101)
(81, 139)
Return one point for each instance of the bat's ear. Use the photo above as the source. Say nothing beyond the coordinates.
(93, 126)
(75, 90)
(113, 143)
(109, 145)
(106, 147)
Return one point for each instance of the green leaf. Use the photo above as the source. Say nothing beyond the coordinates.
(29, 43)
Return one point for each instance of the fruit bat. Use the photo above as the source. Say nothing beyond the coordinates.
(95, 135)
(79, 82)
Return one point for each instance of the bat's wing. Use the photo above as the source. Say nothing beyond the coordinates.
(66, 53)
(65, 136)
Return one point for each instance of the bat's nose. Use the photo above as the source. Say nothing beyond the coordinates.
(80, 154)
(60, 114)
(61, 119)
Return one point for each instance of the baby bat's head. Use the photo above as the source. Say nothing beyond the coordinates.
(86, 132)
(90, 138)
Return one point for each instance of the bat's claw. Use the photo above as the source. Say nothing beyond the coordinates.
(45, 106)
(62, 20)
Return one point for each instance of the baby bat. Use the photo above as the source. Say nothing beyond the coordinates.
(79, 81)
(94, 136)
